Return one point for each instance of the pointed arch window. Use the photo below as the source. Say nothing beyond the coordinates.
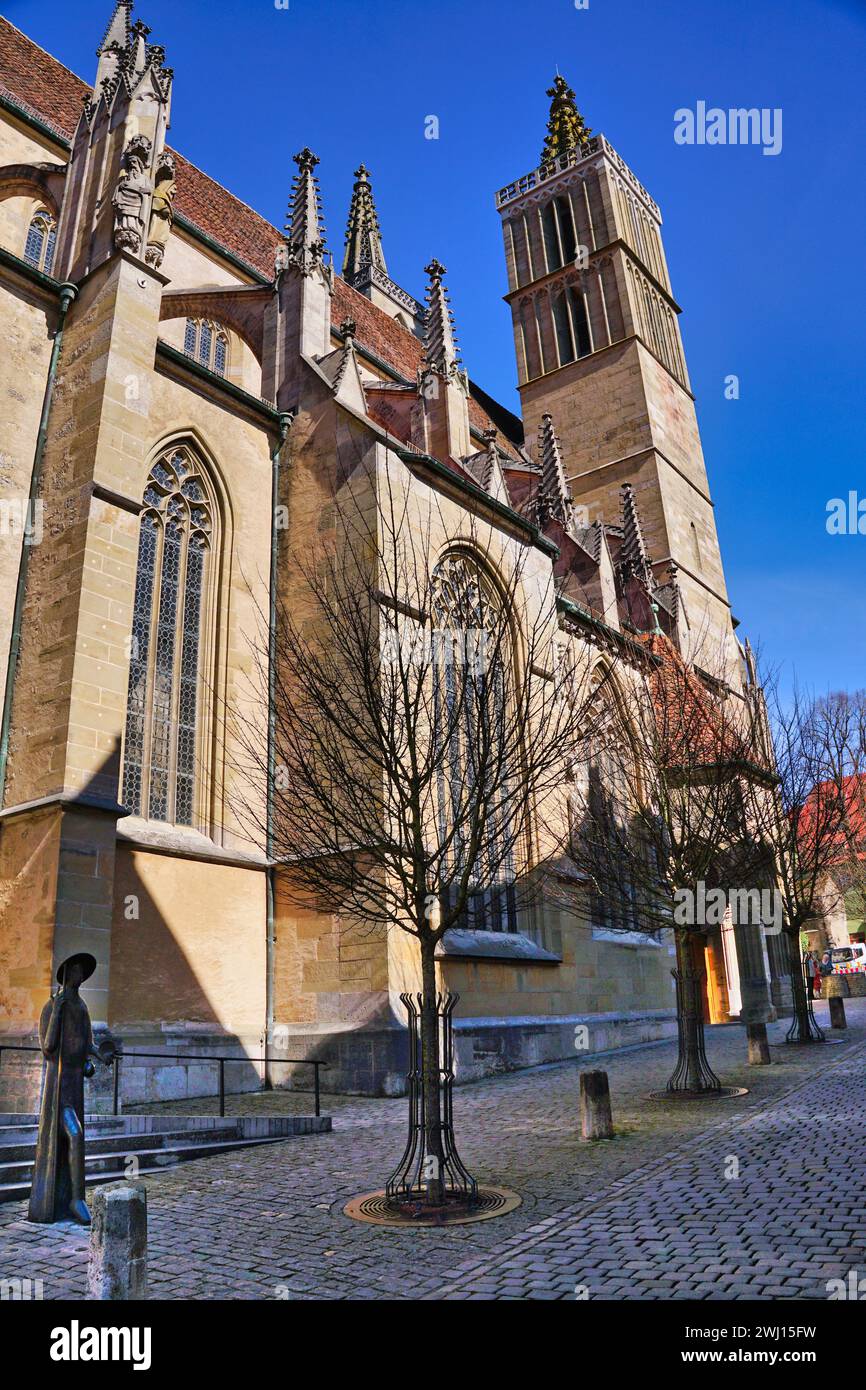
(467, 616)
(572, 328)
(160, 755)
(208, 343)
(607, 790)
(40, 241)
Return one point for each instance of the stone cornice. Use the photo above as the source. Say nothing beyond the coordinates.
(172, 360)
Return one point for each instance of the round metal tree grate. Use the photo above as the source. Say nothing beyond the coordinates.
(724, 1093)
(375, 1208)
(816, 1042)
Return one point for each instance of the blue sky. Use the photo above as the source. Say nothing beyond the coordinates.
(765, 252)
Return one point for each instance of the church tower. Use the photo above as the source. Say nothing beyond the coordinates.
(599, 351)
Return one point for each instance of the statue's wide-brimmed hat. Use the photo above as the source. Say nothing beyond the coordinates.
(84, 959)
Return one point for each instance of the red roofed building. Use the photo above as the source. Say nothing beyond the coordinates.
(843, 896)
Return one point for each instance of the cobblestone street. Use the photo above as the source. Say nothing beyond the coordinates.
(759, 1197)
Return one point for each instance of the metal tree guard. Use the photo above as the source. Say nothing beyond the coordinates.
(407, 1182)
(816, 1033)
(688, 992)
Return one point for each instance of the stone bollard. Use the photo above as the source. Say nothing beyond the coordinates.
(838, 988)
(595, 1116)
(759, 1048)
(118, 1243)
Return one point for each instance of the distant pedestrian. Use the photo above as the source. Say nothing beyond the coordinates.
(810, 965)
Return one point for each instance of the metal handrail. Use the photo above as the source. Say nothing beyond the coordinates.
(194, 1057)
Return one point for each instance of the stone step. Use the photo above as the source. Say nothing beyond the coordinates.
(25, 1133)
(157, 1142)
(112, 1159)
(31, 1117)
(15, 1178)
(25, 1148)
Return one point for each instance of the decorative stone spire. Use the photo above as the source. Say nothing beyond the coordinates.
(674, 585)
(441, 420)
(634, 560)
(566, 130)
(138, 48)
(347, 329)
(115, 43)
(554, 495)
(492, 477)
(363, 236)
(120, 181)
(305, 244)
(440, 341)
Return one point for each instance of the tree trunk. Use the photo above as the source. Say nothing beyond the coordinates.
(805, 1029)
(691, 1073)
(433, 1175)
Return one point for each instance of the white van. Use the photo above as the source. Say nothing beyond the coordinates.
(849, 959)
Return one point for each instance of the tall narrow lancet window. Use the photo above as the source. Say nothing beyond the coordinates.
(41, 238)
(208, 343)
(570, 322)
(161, 740)
(205, 344)
(468, 621)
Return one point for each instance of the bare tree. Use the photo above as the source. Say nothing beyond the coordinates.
(845, 716)
(660, 831)
(804, 821)
(422, 716)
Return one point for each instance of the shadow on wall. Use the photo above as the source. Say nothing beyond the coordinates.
(185, 938)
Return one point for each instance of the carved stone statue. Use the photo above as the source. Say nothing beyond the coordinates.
(131, 195)
(66, 1039)
(162, 210)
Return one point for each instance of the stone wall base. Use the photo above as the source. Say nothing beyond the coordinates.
(22, 1073)
(371, 1062)
(374, 1062)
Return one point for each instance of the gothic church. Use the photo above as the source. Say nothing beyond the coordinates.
(167, 354)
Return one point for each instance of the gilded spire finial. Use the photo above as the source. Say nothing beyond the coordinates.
(566, 128)
(363, 235)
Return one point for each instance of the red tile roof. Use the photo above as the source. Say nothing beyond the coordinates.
(692, 730)
(389, 340)
(821, 816)
(37, 81)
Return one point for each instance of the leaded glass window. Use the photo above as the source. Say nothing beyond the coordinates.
(219, 355)
(208, 344)
(467, 615)
(40, 241)
(159, 756)
(205, 344)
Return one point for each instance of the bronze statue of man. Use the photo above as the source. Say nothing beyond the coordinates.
(66, 1039)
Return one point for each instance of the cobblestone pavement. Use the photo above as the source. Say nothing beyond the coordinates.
(759, 1197)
